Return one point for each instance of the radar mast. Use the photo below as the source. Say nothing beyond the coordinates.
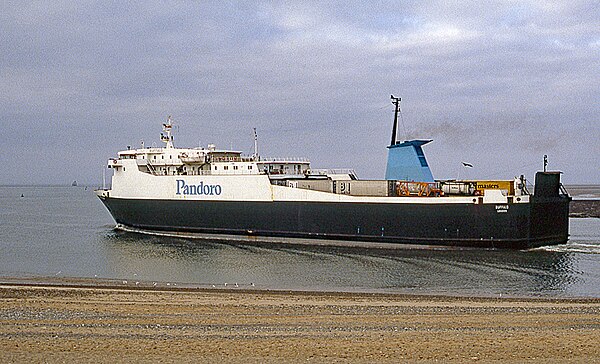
(167, 128)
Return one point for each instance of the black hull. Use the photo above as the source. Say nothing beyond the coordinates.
(523, 225)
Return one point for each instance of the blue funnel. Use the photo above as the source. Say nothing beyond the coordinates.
(406, 162)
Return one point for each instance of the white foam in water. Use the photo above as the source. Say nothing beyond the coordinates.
(585, 237)
(572, 247)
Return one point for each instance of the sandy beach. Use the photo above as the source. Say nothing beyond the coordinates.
(79, 323)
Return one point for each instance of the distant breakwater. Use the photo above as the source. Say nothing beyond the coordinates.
(585, 208)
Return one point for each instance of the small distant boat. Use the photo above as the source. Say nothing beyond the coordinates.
(74, 184)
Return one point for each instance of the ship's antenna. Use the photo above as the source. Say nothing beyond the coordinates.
(255, 145)
(545, 162)
(167, 128)
(396, 102)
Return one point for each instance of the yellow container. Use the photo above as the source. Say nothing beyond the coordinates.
(495, 185)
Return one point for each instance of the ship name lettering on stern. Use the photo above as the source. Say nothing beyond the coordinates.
(199, 189)
(501, 208)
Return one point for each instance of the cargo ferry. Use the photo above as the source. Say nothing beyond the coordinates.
(221, 194)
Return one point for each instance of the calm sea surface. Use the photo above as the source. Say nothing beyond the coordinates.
(67, 232)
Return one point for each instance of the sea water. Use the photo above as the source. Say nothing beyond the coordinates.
(67, 232)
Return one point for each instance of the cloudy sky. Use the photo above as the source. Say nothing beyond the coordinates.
(497, 85)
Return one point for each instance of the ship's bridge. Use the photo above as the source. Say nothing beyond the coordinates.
(208, 161)
(170, 161)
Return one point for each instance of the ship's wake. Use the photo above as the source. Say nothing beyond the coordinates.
(574, 247)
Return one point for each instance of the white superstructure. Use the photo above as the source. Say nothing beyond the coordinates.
(176, 173)
(171, 161)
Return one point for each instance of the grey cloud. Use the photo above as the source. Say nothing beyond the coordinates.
(482, 79)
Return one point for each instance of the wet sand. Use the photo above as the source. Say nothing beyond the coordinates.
(585, 208)
(94, 323)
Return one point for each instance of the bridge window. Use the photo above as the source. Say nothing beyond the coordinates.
(421, 156)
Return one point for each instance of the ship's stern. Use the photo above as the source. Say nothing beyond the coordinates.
(549, 217)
